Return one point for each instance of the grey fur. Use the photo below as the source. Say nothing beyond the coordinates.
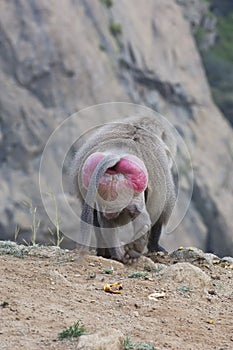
(151, 140)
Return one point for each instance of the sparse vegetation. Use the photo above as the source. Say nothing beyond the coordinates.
(224, 45)
(11, 248)
(138, 274)
(107, 3)
(108, 270)
(74, 331)
(146, 346)
(218, 61)
(59, 237)
(184, 289)
(4, 304)
(148, 268)
(102, 47)
(199, 34)
(129, 345)
(17, 229)
(221, 75)
(115, 29)
(35, 222)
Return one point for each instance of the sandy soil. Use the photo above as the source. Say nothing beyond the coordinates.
(45, 290)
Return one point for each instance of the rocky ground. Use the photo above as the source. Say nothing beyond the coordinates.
(59, 60)
(178, 301)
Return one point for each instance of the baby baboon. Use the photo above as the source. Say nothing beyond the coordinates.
(123, 178)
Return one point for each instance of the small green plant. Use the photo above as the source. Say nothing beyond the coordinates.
(219, 287)
(148, 268)
(184, 289)
(11, 248)
(128, 344)
(74, 331)
(17, 229)
(108, 270)
(35, 223)
(59, 238)
(199, 34)
(223, 47)
(138, 274)
(115, 29)
(102, 47)
(107, 3)
(4, 304)
(145, 346)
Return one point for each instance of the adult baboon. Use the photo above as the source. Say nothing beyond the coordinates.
(122, 176)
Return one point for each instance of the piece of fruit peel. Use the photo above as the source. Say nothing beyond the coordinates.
(115, 288)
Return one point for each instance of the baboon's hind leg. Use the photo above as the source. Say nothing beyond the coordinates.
(153, 242)
(100, 250)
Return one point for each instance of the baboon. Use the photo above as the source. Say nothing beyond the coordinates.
(122, 176)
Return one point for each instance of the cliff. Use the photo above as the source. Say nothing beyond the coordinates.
(58, 58)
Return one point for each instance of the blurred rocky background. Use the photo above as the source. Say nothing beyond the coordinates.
(175, 56)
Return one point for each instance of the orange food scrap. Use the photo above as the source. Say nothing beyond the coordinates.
(115, 288)
(210, 321)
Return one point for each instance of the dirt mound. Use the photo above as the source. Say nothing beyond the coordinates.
(168, 303)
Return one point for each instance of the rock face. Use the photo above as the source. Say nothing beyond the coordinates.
(55, 60)
(203, 23)
(211, 23)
